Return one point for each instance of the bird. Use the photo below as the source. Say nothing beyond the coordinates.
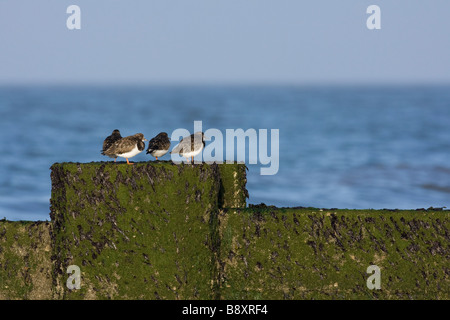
(190, 146)
(127, 147)
(115, 135)
(159, 145)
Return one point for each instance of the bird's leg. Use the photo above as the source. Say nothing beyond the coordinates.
(187, 160)
(192, 159)
(115, 159)
(156, 158)
(128, 161)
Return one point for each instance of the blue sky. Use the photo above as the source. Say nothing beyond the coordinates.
(225, 42)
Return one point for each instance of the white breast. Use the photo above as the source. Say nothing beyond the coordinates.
(192, 153)
(131, 153)
(159, 153)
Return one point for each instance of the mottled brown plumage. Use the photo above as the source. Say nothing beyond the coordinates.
(127, 147)
(159, 145)
(115, 136)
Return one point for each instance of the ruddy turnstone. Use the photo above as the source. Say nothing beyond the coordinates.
(159, 145)
(190, 146)
(115, 136)
(127, 147)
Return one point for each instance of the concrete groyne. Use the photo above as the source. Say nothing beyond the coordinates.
(156, 230)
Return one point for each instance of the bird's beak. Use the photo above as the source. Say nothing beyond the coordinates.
(145, 139)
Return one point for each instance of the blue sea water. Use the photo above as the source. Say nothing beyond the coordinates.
(340, 147)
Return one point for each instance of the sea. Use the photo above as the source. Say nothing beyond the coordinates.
(355, 147)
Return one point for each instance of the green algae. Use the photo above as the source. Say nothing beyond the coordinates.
(233, 193)
(156, 230)
(136, 232)
(25, 267)
(324, 254)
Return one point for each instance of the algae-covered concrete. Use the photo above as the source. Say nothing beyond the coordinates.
(270, 253)
(156, 230)
(233, 181)
(139, 232)
(25, 267)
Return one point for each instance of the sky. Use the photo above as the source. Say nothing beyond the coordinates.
(224, 42)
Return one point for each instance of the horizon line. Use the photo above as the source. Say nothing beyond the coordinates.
(227, 84)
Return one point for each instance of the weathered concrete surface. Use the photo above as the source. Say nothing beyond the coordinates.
(233, 181)
(156, 230)
(25, 267)
(145, 231)
(270, 253)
